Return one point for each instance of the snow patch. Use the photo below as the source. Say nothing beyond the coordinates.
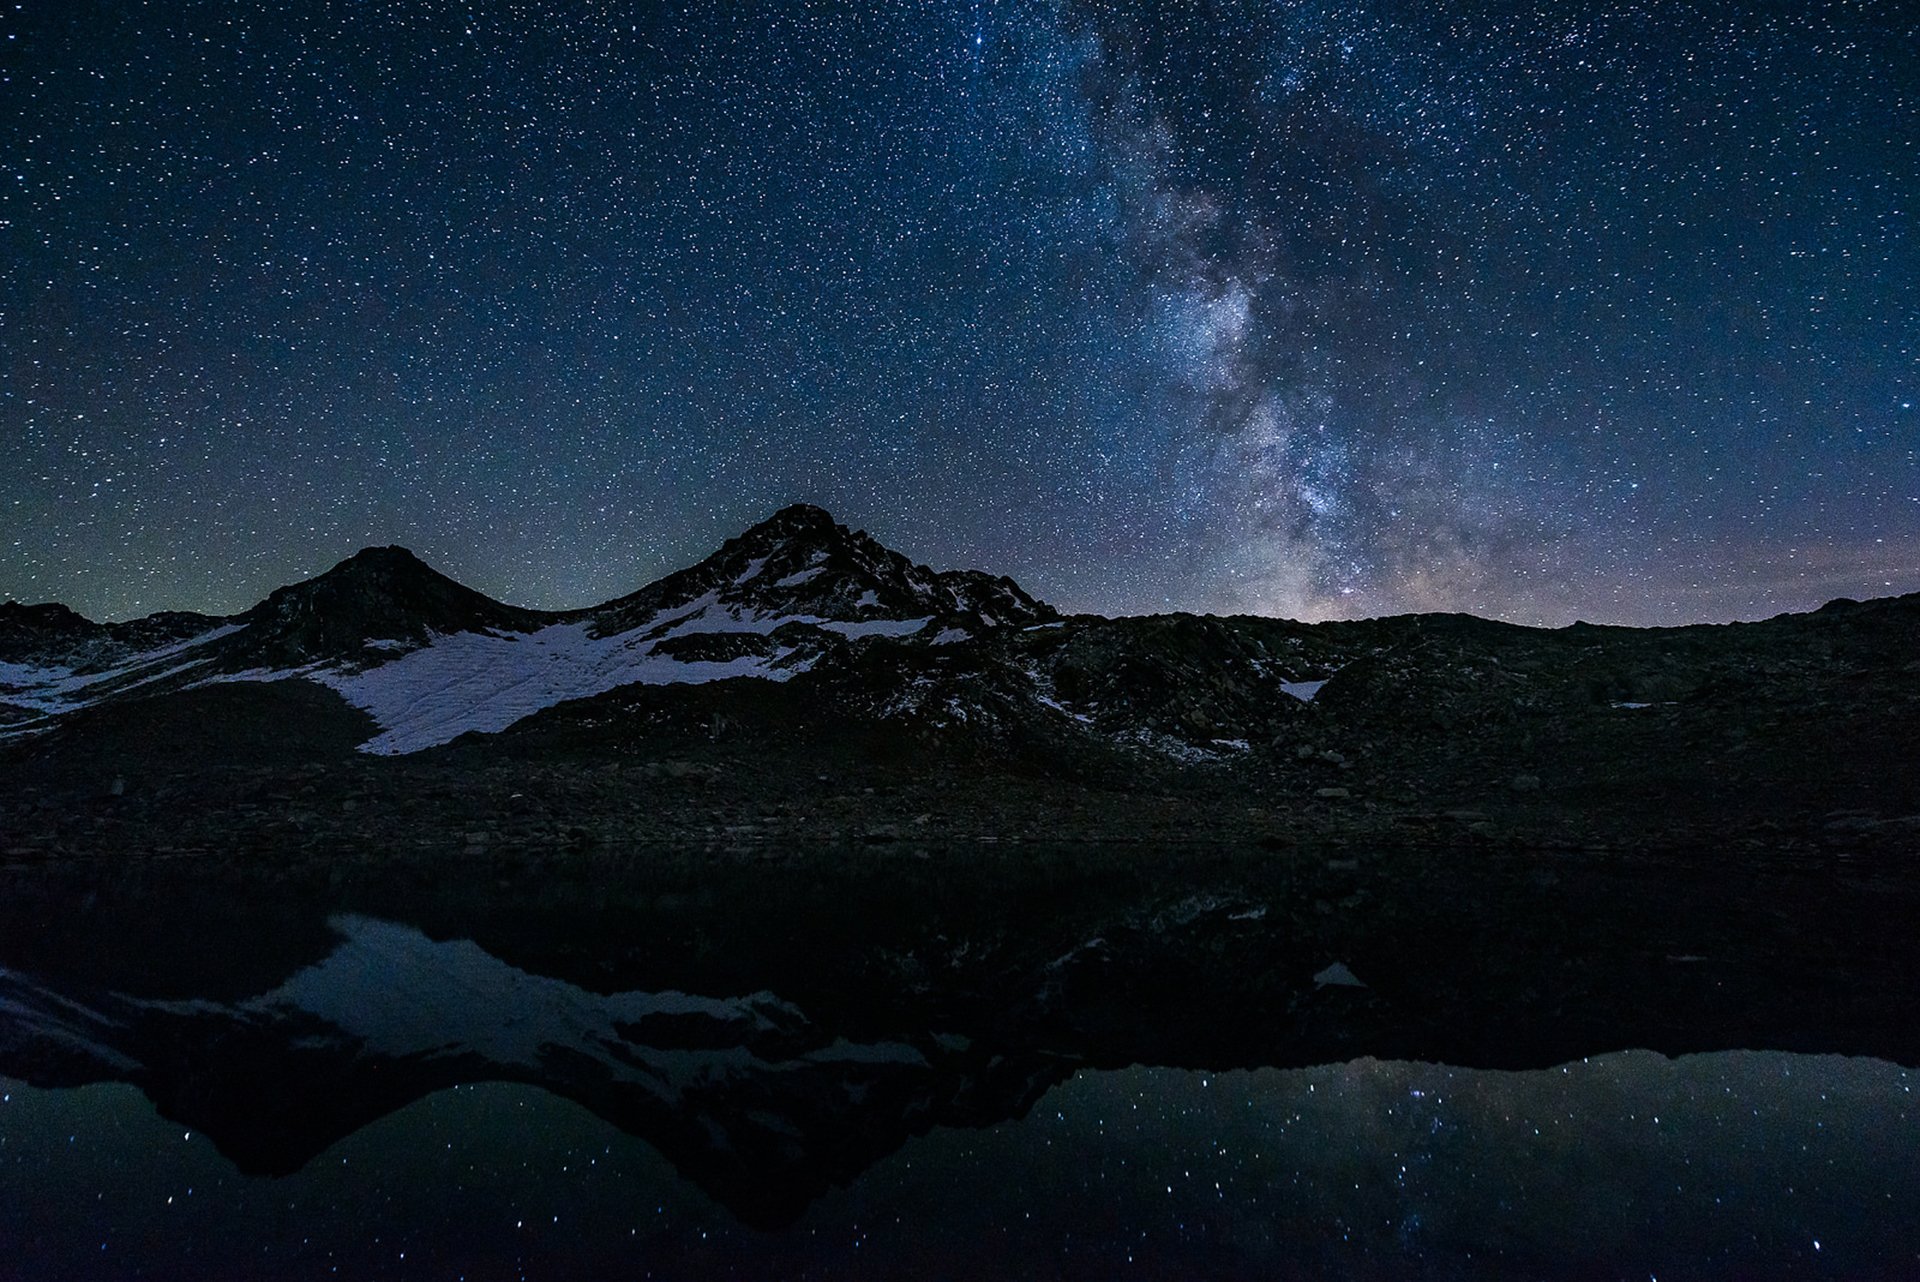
(487, 681)
(56, 688)
(843, 1051)
(734, 619)
(478, 681)
(1047, 694)
(1338, 976)
(22, 1022)
(1168, 746)
(868, 627)
(1302, 690)
(401, 994)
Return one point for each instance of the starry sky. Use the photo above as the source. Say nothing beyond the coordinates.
(1738, 1164)
(1317, 308)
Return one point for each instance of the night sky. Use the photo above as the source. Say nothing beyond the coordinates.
(1296, 307)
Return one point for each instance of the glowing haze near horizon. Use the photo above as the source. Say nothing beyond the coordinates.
(1301, 307)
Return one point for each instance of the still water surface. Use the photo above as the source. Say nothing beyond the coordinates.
(872, 1064)
(1630, 1165)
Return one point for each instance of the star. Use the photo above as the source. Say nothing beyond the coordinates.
(1300, 309)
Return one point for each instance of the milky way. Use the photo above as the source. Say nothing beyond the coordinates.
(1298, 307)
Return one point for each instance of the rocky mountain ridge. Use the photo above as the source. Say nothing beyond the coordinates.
(396, 637)
(802, 652)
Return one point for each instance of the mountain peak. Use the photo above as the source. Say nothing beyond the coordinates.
(379, 595)
(390, 559)
(798, 525)
(50, 614)
(801, 565)
(34, 631)
(796, 517)
(794, 591)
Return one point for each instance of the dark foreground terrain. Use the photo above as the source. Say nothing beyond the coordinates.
(1780, 741)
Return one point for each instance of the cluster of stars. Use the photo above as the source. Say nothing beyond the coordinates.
(1315, 308)
(1750, 1164)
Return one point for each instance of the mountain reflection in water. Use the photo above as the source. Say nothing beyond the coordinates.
(1736, 1164)
(887, 1066)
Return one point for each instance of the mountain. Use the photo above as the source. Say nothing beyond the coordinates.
(44, 631)
(376, 602)
(800, 565)
(803, 651)
(431, 659)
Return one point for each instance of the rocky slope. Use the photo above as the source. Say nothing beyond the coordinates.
(431, 659)
(716, 702)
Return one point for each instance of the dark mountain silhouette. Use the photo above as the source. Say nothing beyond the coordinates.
(961, 703)
(385, 597)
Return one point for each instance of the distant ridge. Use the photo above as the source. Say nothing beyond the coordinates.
(431, 658)
(873, 642)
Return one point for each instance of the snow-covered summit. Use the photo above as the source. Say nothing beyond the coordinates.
(794, 593)
(801, 564)
(431, 659)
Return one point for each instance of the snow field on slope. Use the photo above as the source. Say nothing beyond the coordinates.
(487, 682)
(54, 688)
(476, 681)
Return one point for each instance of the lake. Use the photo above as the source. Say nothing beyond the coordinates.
(1060, 1065)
